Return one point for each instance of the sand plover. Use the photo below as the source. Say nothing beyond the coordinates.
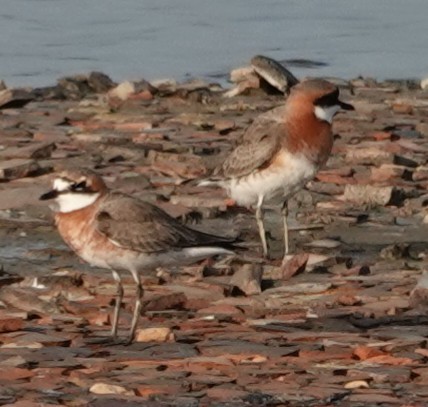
(112, 230)
(281, 151)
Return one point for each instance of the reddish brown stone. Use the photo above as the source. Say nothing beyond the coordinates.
(10, 324)
(295, 265)
(365, 352)
(226, 393)
(15, 373)
(152, 389)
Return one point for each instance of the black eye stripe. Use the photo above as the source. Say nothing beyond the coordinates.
(81, 186)
(330, 99)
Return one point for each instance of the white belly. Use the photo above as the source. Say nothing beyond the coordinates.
(137, 261)
(273, 183)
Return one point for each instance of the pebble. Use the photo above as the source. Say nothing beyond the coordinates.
(104, 388)
(154, 335)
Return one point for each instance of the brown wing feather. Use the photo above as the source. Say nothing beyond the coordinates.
(259, 145)
(140, 226)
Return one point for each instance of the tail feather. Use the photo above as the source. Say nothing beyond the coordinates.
(228, 243)
(201, 182)
(208, 182)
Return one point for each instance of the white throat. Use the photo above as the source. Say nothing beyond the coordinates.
(326, 113)
(72, 201)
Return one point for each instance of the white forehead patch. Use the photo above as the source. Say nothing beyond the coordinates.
(60, 184)
(326, 113)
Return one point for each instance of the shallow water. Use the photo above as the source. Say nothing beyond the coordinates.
(41, 40)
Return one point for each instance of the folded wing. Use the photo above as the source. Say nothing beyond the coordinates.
(258, 146)
(137, 225)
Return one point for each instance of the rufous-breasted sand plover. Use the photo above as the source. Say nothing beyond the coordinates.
(112, 230)
(281, 151)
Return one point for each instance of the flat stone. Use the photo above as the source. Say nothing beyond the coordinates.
(34, 151)
(34, 340)
(248, 278)
(14, 373)
(105, 388)
(15, 98)
(154, 335)
(17, 168)
(9, 324)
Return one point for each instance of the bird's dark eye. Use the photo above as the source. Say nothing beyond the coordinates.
(80, 186)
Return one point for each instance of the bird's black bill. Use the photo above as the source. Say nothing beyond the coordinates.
(49, 195)
(345, 106)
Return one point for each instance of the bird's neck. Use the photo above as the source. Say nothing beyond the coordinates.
(309, 135)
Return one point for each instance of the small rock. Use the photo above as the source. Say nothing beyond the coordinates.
(357, 384)
(153, 389)
(419, 295)
(424, 83)
(15, 361)
(369, 156)
(17, 168)
(306, 288)
(165, 86)
(34, 340)
(348, 300)
(226, 393)
(74, 87)
(386, 172)
(241, 74)
(105, 388)
(27, 300)
(367, 352)
(248, 278)
(161, 334)
(124, 90)
(402, 107)
(323, 244)
(295, 265)
(10, 324)
(164, 301)
(274, 73)
(51, 135)
(100, 82)
(371, 195)
(420, 174)
(422, 128)
(15, 98)
(221, 310)
(243, 87)
(14, 373)
(224, 125)
(381, 135)
(33, 150)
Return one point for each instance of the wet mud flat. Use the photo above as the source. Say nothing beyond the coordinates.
(340, 325)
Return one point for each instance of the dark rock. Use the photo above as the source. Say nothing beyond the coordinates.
(100, 82)
(15, 98)
(274, 73)
(74, 87)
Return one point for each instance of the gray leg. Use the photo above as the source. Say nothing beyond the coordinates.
(284, 212)
(259, 218)
(139, 294)
(118, 304)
